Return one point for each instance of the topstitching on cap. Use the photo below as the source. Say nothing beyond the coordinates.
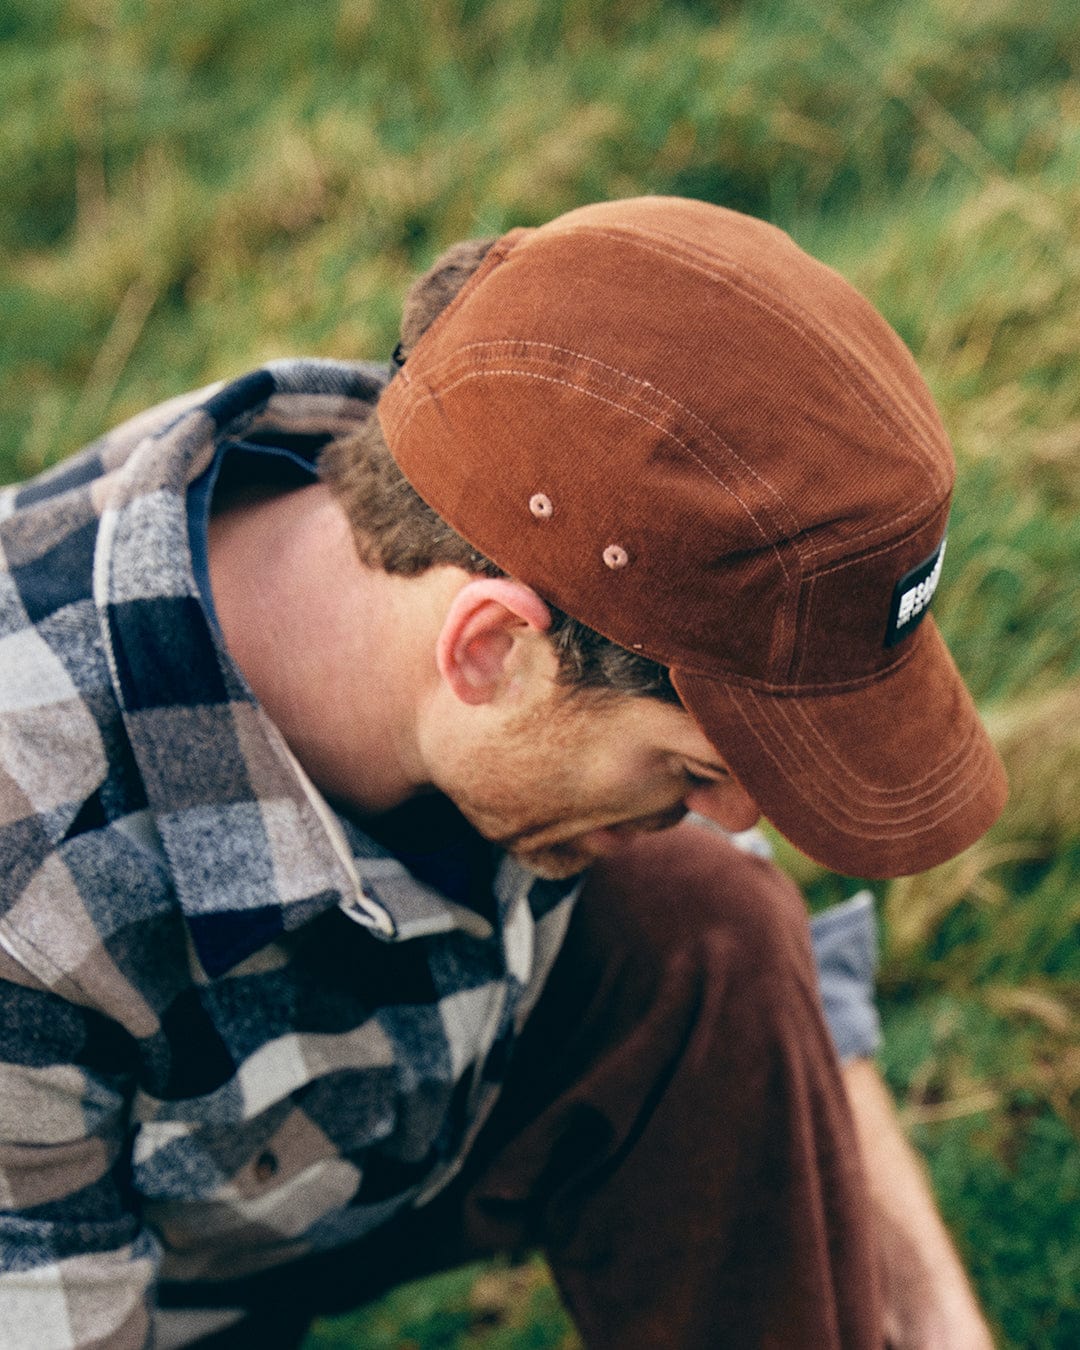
(851, 368)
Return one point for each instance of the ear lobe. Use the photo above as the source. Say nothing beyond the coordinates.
(478, 634)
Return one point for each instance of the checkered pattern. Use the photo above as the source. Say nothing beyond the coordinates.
(233, 1029)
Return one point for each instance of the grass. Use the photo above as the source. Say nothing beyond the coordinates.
(192, 188)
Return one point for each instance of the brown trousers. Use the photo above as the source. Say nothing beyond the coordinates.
(673, 1133)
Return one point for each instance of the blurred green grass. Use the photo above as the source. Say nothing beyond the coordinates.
(191, 189)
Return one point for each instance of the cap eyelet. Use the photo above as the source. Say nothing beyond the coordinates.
(615, 556)
(541, 506)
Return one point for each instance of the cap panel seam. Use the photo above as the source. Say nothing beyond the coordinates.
(798, 538)
(673, 404)
(488, 343)
(841, 564)
(702, 259)
(830, 569)
(806, 549)
(845, 364)
(621, 407)
(668, 404)
(802, 691)
(805, 607)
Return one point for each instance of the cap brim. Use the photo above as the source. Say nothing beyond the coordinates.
(887, 778)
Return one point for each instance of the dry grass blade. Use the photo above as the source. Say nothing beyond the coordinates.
(1039, 740)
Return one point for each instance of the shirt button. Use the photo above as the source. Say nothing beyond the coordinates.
(266, 1165)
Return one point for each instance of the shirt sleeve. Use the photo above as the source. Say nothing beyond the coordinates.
(75, 1265)
(845, 950)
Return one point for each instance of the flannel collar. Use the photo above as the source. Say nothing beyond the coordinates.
(253, 848)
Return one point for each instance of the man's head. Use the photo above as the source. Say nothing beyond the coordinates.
(397, 531)
(556, 775)
(673, 425)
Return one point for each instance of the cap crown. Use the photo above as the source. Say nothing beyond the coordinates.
(738, 458)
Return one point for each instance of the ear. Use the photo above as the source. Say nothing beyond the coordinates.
(483, 622)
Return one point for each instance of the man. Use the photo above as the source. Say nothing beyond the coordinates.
(303, 991)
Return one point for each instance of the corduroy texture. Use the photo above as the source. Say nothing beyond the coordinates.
(685, 432)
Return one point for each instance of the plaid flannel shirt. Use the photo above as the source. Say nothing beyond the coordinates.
(233, 1028)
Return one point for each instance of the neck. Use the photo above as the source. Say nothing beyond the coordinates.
(336, 653)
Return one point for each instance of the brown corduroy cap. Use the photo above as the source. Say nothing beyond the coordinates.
(682, 430)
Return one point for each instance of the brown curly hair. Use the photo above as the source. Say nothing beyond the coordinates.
(397, 531)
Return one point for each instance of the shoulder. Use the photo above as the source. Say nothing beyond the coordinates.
(96, 921)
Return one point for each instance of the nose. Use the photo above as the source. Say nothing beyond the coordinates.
(726, 803)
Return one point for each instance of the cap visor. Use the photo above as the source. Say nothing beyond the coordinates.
(887, 778)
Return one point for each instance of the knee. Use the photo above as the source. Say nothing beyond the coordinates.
(690, 888)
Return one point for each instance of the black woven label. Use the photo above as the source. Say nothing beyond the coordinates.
(912, 595)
